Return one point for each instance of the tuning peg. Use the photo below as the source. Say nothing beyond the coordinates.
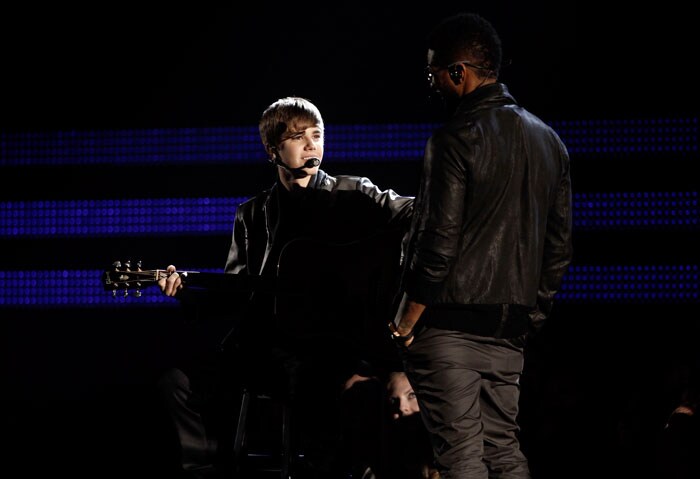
(137, 293)
(117, 265)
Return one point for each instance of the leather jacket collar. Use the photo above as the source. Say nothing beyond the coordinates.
(485, 96)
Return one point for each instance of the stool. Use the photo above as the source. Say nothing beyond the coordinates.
(243, 456)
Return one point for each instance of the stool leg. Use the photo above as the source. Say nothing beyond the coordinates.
(286, 442)
(239, 439)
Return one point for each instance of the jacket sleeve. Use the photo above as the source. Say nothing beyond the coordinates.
(237, 262)
(558, 247)
(400, 208)
(437, 225)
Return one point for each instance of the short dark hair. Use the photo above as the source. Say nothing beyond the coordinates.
(283, 114)
(467, 36)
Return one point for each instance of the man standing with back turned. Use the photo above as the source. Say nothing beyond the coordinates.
(490, 242)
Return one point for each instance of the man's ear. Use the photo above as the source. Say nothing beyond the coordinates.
(271, 153)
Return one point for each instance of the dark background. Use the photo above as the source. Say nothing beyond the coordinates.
(132, 64)
(602, 378)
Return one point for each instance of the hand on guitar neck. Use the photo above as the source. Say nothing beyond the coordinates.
(121, 277)
(171, 283)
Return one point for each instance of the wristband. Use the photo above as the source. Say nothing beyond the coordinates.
(397, 337)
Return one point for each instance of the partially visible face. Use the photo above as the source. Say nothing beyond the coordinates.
(440, 81)
(401, 396)
(301, 142)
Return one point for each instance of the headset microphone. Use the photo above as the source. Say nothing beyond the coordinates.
(312, 163)
(309, 163)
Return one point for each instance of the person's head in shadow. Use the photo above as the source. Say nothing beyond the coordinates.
(414, 456)
(402, 398)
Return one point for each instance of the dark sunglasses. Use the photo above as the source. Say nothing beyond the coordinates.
(430, 70)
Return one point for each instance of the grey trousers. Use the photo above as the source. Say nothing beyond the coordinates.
(468, 388)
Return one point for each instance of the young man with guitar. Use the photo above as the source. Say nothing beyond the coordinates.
(308, 342)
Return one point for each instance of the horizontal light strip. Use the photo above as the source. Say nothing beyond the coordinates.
(371, 142)
(213, 216)
(638, 136)
(582, 284)
(636, 210)
(134, 217)
(631, 283)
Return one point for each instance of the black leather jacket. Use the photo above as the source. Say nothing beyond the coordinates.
(351, 206)
(492, 221)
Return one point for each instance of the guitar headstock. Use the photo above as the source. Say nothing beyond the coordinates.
(121, 277)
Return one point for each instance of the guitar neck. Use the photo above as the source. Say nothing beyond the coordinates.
(231, 282)
(138, 279)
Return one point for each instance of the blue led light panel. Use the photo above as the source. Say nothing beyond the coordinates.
(677, 283)
(370, 142)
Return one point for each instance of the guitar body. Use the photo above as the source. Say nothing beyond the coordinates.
(332, 291)
(348, 289)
